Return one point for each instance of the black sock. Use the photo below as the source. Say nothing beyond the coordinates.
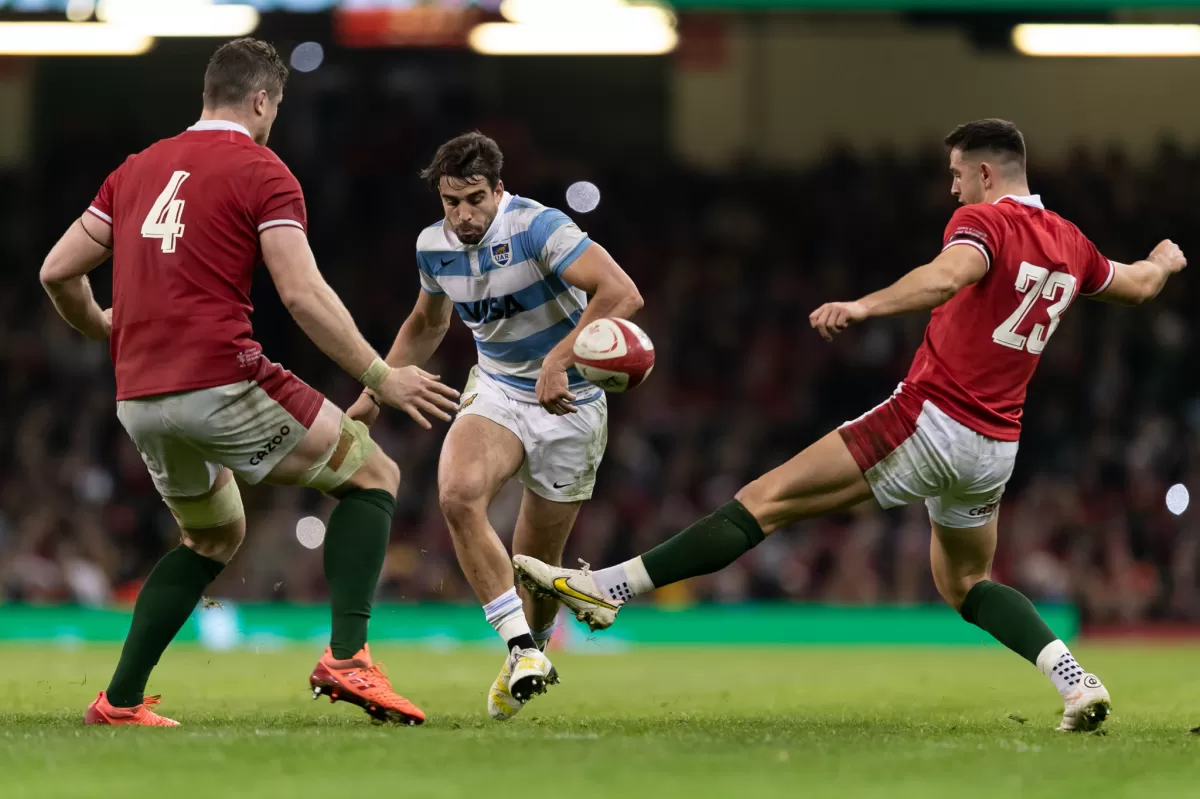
(355, 548)
(522, 641)
(167, 598)
(1009, 617)
(707, 546)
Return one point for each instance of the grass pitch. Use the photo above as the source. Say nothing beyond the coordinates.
(847, 722)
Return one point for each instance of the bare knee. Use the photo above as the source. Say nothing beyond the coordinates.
(217, 543)
(464, 502)
(756, 498)
(379, 472)
(954, 589)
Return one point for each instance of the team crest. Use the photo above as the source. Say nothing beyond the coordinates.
(502, 253)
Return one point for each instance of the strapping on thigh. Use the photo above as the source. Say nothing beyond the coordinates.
(339, 463)
(222, 507)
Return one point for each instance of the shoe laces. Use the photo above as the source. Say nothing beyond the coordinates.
(587, 567)
(151, 701)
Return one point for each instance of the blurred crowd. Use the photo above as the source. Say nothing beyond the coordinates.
(730, 266)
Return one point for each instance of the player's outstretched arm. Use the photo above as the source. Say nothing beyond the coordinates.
(611, 293)
(418, 339)
(922, 289)
(84, 246)
(1139, 282)
(324, 319)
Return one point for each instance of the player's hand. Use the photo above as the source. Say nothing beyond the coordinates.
(834, 317)
(552, 391)
(416, 392)
(1168, 255)
(365, 409)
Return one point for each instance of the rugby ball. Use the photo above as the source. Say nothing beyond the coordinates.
(615, 354)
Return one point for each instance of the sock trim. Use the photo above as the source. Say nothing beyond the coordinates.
(372, 496)
(212, 567)
(1050, 655)
(744, 520)
(637, 576)
(973, 599)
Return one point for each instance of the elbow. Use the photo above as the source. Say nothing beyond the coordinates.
(630, 302)
(294, 299)
(50, 274)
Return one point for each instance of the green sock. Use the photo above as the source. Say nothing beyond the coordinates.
(707, 546)
(167, 598)
(1008, 617)
(355, 547)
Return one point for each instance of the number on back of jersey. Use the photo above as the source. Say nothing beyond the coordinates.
(165, 220)
(1034, 282)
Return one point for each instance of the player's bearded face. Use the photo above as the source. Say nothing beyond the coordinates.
(470, 205)
(967, 187)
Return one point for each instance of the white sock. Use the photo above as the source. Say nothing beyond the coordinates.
(622, 583)
(1057, 663)
(506, 614)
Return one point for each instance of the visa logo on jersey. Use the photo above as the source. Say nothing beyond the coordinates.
(490, 309)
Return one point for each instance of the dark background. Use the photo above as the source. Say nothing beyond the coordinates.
(730, 262)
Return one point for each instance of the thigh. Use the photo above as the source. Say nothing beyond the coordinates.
(245, 426)
(822, 479)
(902, 453)
(543, 526)
(178, 469)
(480, 454)
(563, 453)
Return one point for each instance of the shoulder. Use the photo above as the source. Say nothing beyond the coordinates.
(432, 239)
(521, 212)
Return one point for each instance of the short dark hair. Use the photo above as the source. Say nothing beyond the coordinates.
(995, 135)
(464, 157)
(240, 68)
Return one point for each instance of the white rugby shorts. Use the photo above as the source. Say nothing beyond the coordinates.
(909, 449)
(562, 453)
(249, 426)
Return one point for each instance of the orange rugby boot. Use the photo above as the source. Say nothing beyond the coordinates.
(362, 682)
(101, 712)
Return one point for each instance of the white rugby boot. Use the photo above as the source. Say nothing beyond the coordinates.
(525, 673)
(1087, 708)
(575, 588)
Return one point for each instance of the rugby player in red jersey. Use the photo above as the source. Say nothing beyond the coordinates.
(1009, 269)
(186, 221)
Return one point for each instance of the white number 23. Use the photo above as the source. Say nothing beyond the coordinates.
(1034, 282)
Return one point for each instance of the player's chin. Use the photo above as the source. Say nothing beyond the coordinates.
(469, 238)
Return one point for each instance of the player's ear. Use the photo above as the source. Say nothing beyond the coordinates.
(261, 99)
(499, 190)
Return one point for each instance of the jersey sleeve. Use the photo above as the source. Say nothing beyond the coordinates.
(975, 226)
(1096, 271)
(102, 206)
(429, 284)
(278, 198)
(558, 241)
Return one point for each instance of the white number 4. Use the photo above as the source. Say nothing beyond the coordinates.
(1033, 282)
(165, 218)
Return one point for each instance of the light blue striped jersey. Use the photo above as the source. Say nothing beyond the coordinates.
(509, 291)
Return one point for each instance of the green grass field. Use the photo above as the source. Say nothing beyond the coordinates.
(850, 722)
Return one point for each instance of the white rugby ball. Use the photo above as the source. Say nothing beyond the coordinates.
(615, 354)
